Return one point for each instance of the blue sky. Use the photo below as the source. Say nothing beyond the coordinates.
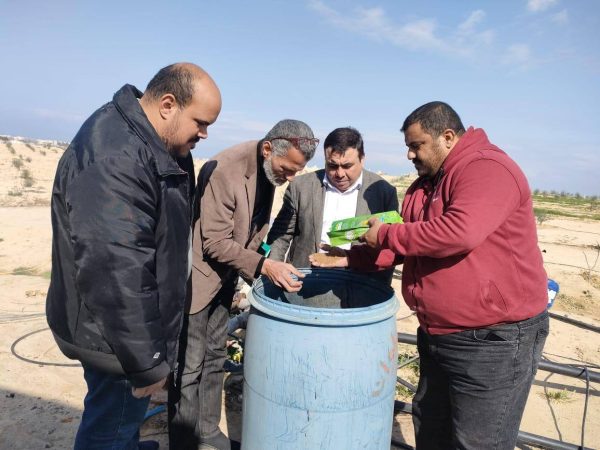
(527, 71)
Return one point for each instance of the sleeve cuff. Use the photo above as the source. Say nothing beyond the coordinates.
(150, 376)
(259, 267)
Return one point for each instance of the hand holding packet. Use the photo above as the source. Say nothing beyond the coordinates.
(348, 230)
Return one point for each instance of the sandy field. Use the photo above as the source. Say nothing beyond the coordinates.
(41, 392)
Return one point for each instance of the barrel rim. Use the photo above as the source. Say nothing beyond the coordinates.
(325, 316)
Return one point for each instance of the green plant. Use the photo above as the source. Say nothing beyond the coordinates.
(24, 270)
(403, 362)
(28, 180)
(17, 163)
(403, 392)
(30, 147)
(541, 217)
(16, 192)
(562, 396)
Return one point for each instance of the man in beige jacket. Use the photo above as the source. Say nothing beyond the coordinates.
(233, 200)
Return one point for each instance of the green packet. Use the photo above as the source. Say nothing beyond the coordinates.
(348, 230)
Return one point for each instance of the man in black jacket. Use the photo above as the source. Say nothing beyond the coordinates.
(121, 218)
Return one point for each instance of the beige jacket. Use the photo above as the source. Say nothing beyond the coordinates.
(224, 244)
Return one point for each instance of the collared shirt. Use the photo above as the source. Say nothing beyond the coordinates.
(338, 205)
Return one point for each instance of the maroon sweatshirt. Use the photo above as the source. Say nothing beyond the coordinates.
(469, 242)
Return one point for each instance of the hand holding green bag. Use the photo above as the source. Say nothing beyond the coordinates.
(348, 230)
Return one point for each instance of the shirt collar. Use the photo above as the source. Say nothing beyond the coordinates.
(357, 185)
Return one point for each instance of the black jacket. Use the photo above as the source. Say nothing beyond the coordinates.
(121, 226)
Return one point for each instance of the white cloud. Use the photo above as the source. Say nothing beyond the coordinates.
(467, 27)
(561, 18)
(421, 34)
(517, 55)
(372, 22)
(540, 5)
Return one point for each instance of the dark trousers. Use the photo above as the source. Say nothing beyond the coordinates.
(474, 384)
(196, 391)
(112, 416)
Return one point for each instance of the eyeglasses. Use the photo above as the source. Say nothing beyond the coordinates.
(299, 142)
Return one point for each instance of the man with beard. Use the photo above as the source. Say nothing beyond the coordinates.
(233, 201)
(121, 222)
(313, 201)
(474, 274)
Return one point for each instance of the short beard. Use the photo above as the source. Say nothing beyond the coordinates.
(268, 168)
(169, 134)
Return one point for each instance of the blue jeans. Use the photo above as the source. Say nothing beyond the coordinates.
(112, 416)
(473, 385)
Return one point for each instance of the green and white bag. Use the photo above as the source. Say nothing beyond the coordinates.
(348, 230)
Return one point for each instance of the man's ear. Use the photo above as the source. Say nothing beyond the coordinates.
(449, 138)
(167, 106)
(267, 149)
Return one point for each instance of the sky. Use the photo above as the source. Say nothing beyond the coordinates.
(526, 71)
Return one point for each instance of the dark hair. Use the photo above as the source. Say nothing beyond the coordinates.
(434, 118)
(342, 138)
(175, 79)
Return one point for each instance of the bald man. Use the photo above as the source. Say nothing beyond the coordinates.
(121, 221)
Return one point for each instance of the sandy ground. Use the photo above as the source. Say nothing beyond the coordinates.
(41, 392)
(41, 400)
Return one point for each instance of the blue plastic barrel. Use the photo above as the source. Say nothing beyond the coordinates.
(320, 365)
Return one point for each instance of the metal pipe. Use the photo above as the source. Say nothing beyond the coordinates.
(577, 323)
(402, 407)
(565, 369)
(562, 369)
(545, 442)
(406, 338)
(407, 384)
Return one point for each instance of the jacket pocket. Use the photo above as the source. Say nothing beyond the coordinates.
(203, 268)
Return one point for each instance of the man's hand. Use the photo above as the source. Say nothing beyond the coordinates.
(280, 274)
(335, 257)
(370, 237)
(149, 390)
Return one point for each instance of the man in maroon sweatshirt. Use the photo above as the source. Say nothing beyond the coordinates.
(474, 275)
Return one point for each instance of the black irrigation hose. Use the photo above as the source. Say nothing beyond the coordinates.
(581, 362)
(585, 405)
(569, 370)
(33, 361)
(545, 442)
(406, 384)
(577, 323)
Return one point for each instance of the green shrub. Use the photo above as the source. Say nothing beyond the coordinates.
(17, 163)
